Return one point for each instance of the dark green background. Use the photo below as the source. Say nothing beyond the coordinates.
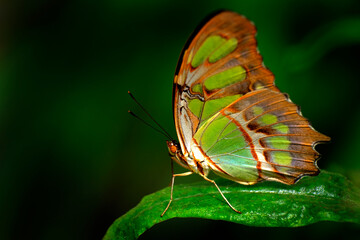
(73, 160)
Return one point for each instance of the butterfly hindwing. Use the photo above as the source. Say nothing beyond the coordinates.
(260, 136)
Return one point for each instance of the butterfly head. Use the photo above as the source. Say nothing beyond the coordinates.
(173, 147)
(176, 154)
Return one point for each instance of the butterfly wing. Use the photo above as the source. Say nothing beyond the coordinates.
(260, 136)
(220, 73)
(219, 63)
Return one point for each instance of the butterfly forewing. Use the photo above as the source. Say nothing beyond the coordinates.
(220, 64)
(225, 101)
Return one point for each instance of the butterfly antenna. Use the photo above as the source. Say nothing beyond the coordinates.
(164, 132)
(142, 120)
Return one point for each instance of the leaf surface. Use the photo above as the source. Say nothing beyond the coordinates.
(326, 197)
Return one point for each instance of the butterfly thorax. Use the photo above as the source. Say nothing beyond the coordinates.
(194, 163)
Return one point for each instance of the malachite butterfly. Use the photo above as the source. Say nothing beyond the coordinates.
(230, 117)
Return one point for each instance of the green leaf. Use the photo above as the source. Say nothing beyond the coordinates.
(326, 197)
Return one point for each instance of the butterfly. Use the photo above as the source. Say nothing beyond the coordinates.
(229, 116)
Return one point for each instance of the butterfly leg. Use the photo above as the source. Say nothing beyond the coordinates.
(212, 181)
(172, 185)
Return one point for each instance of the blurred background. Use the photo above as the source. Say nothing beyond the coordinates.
(72, 159)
